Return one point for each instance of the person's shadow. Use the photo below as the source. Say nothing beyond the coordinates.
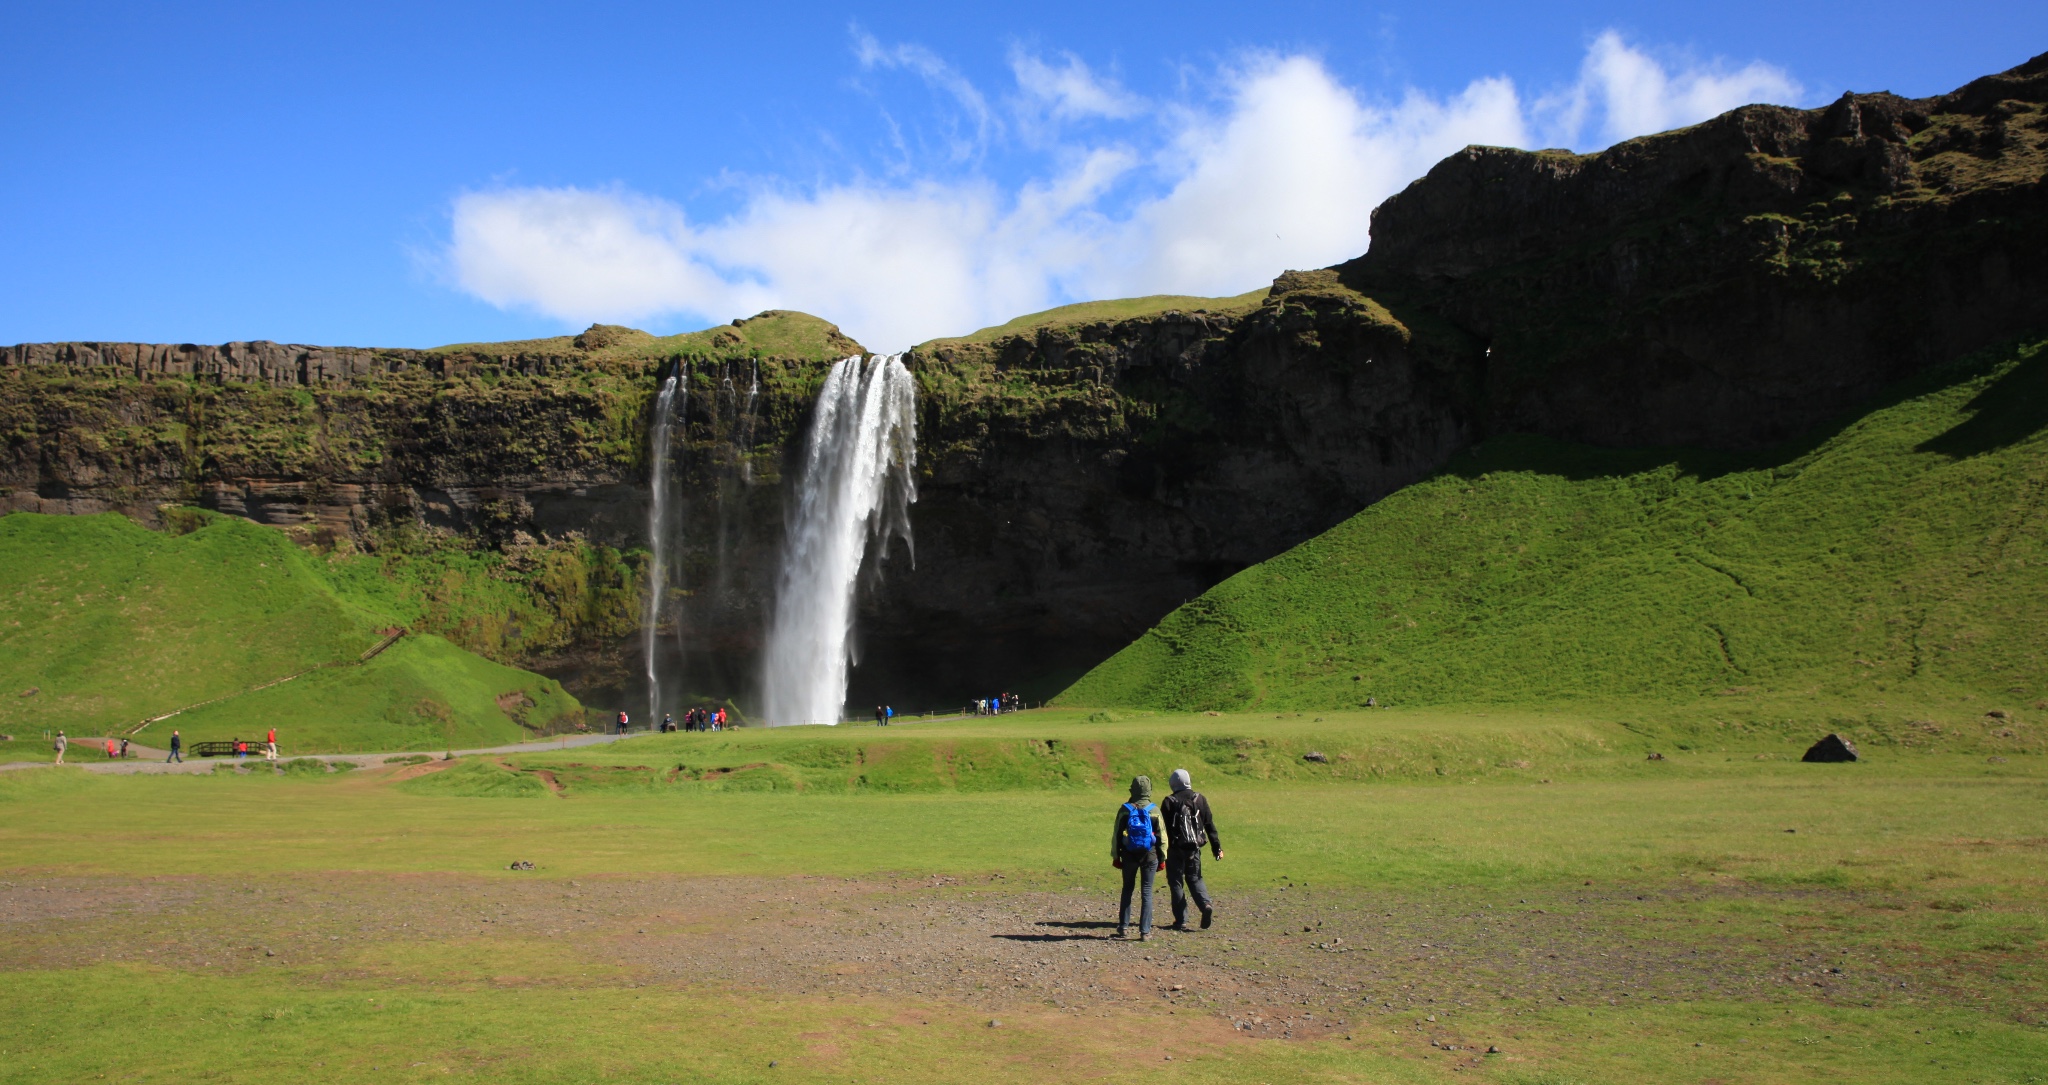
(1060, 931)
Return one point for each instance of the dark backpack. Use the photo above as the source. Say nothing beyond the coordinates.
(1138, 827)
(1187, 822)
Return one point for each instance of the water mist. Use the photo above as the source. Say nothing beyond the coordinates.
(855, 488)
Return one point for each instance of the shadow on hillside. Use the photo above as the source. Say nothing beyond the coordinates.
(2009, 410)
(2013, 408)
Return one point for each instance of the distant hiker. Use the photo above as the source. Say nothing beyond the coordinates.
(1137, 846)
(241, 749)
(110, 749)
(623, 721)
(270, 748)
(59, 745)
(124, 749)
(888, 714)
(271, 737)
(878, 716)
(177, 749)
(668, 722)
(1189, 826)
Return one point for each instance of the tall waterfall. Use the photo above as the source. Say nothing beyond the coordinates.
(856, 486)
(660, 530)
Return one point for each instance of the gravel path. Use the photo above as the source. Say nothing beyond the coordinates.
(148, 760)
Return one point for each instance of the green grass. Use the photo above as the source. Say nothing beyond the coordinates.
(1118, 309)
(110, 623)
(1892, 566)
(1928, 853)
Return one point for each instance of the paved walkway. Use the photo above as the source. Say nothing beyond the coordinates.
(143, 759)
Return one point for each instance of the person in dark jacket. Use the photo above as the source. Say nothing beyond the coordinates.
(177, 748)
(1138, 857)
(1189, 826)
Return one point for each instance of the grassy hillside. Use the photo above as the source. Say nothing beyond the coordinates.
(1116, 309)
(1895, 561)
(104, 623)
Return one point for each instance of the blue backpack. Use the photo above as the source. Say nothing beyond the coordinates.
(1138, 827)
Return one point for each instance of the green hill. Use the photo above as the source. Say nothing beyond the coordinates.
(104, 623)
(1897, 559)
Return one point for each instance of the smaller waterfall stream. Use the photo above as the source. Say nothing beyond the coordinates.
(660, 527)
(856, 485)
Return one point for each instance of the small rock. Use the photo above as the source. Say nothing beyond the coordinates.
(1997, 714)
(1831, 749)
(521, 864)
(1654, 756)
(1315, 755)
(1492, 1050)
(1996, 760)
(993, 1023)
(771, 1062)
(1180, 987)
(1431, 1017)
(31, 691)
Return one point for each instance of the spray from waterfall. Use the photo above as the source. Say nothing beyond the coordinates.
(659, 542)
(855, 487)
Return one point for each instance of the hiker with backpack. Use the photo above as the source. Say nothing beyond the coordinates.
(1189, 826)
(1137, 847)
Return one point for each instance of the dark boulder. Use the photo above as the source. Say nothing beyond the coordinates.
(1832, 748)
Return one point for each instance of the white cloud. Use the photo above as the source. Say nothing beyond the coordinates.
(1284, 173)
(1635, 95)
(1071, 91)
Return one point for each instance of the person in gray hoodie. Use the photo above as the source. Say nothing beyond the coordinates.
(1137, 846)
(1189, 826)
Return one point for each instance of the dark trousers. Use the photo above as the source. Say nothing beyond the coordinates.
(1138, 868)
(174, 756)
(1184, 880)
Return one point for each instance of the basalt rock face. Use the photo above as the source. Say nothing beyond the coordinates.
(1079, 480)
(1734, 283)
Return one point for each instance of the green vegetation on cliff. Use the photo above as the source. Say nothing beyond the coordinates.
(1895, 561)
(1098, 312)
(104, 623)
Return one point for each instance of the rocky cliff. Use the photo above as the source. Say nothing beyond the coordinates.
(1727, 285)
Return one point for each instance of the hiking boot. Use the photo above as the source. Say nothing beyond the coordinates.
(1177, 925)
(1207, 915)
(1145, 936)
(1120, 932)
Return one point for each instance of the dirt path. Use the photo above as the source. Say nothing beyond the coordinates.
(1285, 962)
(143, 760)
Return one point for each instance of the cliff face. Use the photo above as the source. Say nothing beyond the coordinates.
(1733, 283)
(1727, 285)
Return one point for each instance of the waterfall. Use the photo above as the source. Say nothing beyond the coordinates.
(855, 486)
(659, 542)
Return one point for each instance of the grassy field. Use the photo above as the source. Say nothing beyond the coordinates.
(1891, 566)
(104, 623)
(1725, 913)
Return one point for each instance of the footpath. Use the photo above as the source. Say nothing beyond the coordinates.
(144, 759)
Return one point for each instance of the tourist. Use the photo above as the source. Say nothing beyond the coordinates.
(1137, 847)
(624, 720)
(124, 748)
(879, 721)
(668, 722)
(270, 748)
(59, 746)
(110, 749)
(1189, 826)
(177, 748)
(888, 715)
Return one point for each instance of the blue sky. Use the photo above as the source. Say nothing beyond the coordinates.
(414, 174)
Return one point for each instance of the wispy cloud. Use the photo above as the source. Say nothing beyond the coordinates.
(1160, 198)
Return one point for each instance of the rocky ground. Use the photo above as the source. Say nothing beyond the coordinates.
(1287, 962)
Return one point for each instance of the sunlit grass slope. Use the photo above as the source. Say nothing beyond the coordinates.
(1117, 309)
(109, 623)
(1898, 559)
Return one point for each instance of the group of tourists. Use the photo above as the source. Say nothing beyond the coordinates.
(885, 715)
(695, 719)
(1144, 840)
(118, 751)
(998, 704)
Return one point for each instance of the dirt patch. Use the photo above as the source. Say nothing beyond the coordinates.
(1280, 963)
